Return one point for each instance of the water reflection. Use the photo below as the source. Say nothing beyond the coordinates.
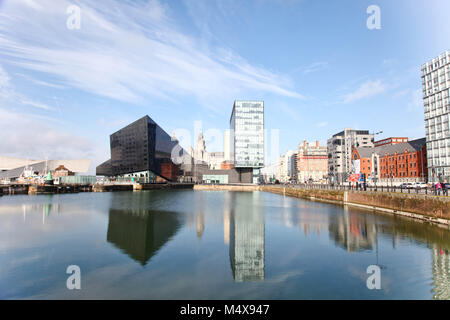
(353, 231)
(441, 273)
(44, 234)
(246, 238)
(141, 233)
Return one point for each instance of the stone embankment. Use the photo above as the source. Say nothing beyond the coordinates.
(419, 206)
(429, 208)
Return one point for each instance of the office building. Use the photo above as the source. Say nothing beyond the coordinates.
(436, 91)
(247, 136)
(339, 149)
(312, 162)
(143, 150)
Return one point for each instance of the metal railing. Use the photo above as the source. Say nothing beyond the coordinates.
(370, 188)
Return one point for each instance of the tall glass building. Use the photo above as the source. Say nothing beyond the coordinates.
(436, 92)
(144, 150)
(247, 136)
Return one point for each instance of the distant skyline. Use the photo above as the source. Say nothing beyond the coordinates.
(316, 65)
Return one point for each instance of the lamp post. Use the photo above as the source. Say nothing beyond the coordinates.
(376, 133)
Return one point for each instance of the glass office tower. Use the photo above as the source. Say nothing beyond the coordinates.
(436, 98)
(144, 148)
(247, 135)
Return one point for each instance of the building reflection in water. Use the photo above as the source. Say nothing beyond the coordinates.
(353, 231)
(440, 259)
(199, 223)
(246, 239)
(141, 233)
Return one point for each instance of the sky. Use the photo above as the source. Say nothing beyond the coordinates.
(66, 83)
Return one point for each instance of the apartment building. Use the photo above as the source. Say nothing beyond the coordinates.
(339, 148)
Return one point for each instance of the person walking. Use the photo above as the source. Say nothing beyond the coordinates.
(438, 188)
(444, 189)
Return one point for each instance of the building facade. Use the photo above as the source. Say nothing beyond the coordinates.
(287, 167)
(391, 140)
(144, 150)
(392, 164)
(247, 136)
(436, 91)
(312, 163)
(339, 148)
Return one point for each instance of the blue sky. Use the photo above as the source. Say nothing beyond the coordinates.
(316, 65)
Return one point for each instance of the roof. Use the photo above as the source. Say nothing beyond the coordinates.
(410, 146)
(365, 152)
(72, 165)
(8, 163)
(390, 149)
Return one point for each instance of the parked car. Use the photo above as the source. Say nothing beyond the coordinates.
(420, 185)
(407, 185)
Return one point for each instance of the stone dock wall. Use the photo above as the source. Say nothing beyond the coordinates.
(429, 208)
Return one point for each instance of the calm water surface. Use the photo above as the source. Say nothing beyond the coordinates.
(213, 245)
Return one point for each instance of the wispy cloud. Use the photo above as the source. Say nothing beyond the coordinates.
(317, 66)
(40, 82)
(24, 136)
(127, 51)
(12, 98)
(367, 89)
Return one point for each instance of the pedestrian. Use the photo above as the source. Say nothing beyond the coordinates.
(444, 189)
(438, 187)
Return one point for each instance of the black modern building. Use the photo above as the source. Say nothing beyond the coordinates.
(144, 149)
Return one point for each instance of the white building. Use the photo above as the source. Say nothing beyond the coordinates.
(287, 167)
(212, 159)
(339, 148)
(269, 173)
(435, 85)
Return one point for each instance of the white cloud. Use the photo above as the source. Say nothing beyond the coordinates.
(5, 87)
(23, 135)
(12, 98)
(367, 89)
(317, 66)
(128, 51)
(322, 124)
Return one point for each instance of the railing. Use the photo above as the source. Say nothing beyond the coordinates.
(372, 188)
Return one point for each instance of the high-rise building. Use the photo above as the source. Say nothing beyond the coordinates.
(312, 162)
(340, 148)
(436, 91)
(144, 150)
(247, 136)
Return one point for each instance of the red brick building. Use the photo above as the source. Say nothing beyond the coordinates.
(391, 140)
(402, 162)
